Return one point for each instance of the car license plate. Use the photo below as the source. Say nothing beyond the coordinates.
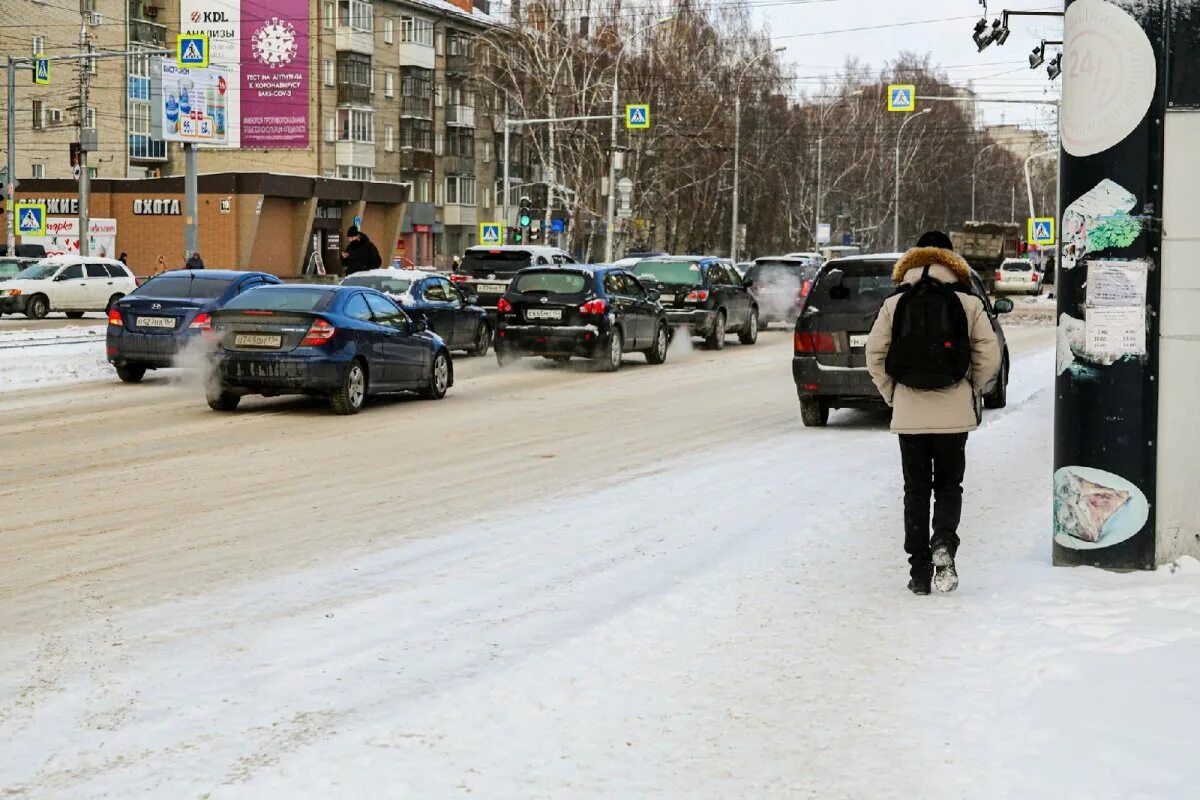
(666, 298)
(858, 341)
(156, 322)
(543, 313)
(256, 340)
(492, 288)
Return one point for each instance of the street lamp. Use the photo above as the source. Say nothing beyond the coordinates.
(611, 216)
(896, 230)
(737, 142)
(974, 167)
(820, 200)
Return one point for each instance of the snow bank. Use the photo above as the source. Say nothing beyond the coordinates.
(733, 625)
(27, 360)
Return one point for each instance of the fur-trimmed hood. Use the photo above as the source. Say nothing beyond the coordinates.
(921, 257)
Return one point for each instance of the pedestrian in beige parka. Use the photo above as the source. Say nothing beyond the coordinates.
(933, 423)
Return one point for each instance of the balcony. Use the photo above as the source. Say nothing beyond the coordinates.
(460, 64)
(421, 107)
(416, 160)
(413, 54)
(458, 165)
(355, 154)
(145, 32)
(144, 148)
(351, 40)
(460, 215)
(460, 116)
(353, 94)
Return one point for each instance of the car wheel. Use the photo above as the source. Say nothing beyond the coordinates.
(611, 360)
(350, 397)
(999, 396)
(439, 378)
(74, 315)
(658, 353)
(131, 373)
(37, 307)
(221, 399)
(483, 340)
(111, 301)
(716, 339)
(750, 334)
(814, 412)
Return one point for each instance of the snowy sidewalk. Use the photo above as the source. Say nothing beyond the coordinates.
(52, 357)
(731, 627)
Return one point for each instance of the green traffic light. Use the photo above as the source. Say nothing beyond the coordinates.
(525, 220)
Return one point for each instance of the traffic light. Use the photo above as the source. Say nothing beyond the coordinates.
(517, 235)
(525, 216)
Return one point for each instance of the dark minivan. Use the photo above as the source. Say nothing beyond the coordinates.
(597, 313)
(829, 364)
(705, 295)
(485, 271)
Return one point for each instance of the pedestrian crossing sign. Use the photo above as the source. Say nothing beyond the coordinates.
(902, 97)
(637, 117)
(1041, 231)
(31, 219)
(491, 233)
(191, 50)
(41, 70)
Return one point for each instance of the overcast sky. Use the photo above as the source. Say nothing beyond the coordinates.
(818, 41)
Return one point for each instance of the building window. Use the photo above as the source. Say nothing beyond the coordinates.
(389, 35)
(356, 15)
(328, 14)
(330, 128)
(416, 31)
(460, 142)
(389, 85)
(460, 190)
(90, 119)
(328, 72)
(487, 152)
(39, 170)
(356, 125)
(39, 45)
(389, 139)
(417, 134)
(356, 173)
(139, 119)
(39, 116)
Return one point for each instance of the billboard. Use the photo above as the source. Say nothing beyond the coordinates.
(264, 49)
(194, 105)
(62, 237)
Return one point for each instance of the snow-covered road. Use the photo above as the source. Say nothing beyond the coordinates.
(731, 624)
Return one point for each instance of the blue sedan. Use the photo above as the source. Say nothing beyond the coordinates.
(152, 325)
(452, 315)
(345, 343)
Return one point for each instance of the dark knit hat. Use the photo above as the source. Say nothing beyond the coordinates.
(352, 231)
(935, 239)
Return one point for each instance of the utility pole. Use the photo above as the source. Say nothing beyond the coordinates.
(85, 139)
(611, 215)
(817, 210)
(11, 183)
(737, 145)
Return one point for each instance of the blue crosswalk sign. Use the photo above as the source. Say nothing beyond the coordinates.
(191, 50)
(41, 71)
(902, 97)
(637, 117)
(31, 219)
(491, 233)
(1041, 231)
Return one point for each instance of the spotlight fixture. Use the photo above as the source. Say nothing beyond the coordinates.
(1055, 67)
(1037, 57)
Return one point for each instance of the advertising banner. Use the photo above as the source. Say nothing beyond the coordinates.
(263, 48)
(194, 105)
(62, 237)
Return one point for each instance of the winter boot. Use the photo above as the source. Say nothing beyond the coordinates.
(919, 584)
(945, 576)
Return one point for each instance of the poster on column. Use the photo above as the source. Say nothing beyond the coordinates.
(264, 49)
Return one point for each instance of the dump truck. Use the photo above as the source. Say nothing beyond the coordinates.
(985, 245)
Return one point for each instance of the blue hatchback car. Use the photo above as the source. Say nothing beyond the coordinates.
(154, 323)
(345, 343)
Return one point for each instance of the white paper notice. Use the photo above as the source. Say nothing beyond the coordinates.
(1116, 331)
(1116, 283)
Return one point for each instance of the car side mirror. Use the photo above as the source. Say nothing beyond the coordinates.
(60, 277)
(420, 324)
(1003, 306)
(747, 283)
(653, 295)
(471, 299)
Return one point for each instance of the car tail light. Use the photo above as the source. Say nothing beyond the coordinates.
(202, 323)
(999, 276)
(814, 342)
(503, 306)
(254, 312)
(459, 278)
(114, 317)
(1034, 276)
(595, 307)
(138, 280)
(811, 387)
(318, 334)
(698, 296)
(804, 291)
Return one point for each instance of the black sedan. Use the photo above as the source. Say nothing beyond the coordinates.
(597, 313)
(153, 324)
(345, 343)
(450, 313)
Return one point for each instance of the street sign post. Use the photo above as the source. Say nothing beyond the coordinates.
(637, 116)
(1041, 231)
(902, 97)
(31, 219)
(191, 51)
(491, 233)
(41, 71)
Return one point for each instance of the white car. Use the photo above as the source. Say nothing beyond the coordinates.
(70, 284)
(1018, 276)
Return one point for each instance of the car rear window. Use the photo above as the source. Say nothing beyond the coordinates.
(772, 271)
(481, 263)
(380, 283)
(117, 272)
(1017, 266)
(686, 273)
(183, 287)
(550, 282)
(271, 298)
(862, 289)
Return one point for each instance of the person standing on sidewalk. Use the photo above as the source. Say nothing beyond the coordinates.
(931, 351)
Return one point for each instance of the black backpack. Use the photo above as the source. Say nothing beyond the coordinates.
(931, 341)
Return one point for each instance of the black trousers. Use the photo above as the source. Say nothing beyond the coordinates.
(934, 465)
